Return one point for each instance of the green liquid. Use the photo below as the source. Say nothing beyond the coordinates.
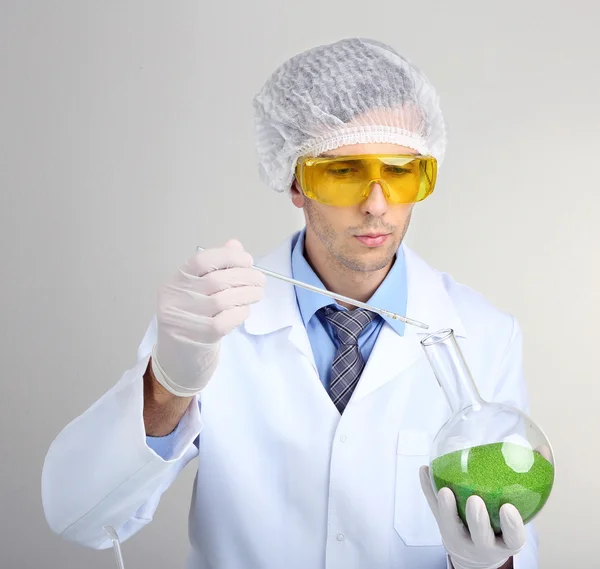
(499, 473)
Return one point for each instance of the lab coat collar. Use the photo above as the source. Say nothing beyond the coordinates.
(428, 301)
(279, 307)
(427, 298)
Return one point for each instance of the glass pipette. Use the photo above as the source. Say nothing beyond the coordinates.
(339, 297)
(109, 530)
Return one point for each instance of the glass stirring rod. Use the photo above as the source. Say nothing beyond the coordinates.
(339, 297)
(112, 534)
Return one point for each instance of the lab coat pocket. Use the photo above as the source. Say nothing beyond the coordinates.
(413, 520)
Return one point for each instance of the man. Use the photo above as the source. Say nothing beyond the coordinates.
(310, 419)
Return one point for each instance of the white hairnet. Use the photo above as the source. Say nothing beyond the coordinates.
(349, 92)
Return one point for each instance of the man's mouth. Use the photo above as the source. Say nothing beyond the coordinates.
(373, 239)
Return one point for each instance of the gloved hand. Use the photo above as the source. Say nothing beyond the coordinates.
(208, 298)
(476, 547)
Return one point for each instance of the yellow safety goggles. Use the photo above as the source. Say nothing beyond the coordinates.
(347, 180)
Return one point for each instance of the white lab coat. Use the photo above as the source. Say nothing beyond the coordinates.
(283, 481)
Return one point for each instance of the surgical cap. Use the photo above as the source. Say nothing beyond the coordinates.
(349, 92)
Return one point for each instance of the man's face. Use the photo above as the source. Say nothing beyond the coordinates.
(363, 237)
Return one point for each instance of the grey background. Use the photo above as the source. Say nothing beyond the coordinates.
(126, 140)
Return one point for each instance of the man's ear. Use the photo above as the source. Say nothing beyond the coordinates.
(298, 197)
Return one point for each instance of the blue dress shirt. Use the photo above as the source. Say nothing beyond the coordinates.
(391, 295)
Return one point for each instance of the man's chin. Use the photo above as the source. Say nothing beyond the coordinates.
(369, 260)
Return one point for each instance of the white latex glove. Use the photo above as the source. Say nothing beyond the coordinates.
(476, 547)
(208, 297)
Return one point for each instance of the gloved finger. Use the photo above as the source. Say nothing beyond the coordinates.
(513, 528)
(209, 260)
(234, 244)
(428, 490)
(189, 310)
(223, 279)
(449, 520)
(479, 524)
(237, 296)
(226, 321)
(201, 330)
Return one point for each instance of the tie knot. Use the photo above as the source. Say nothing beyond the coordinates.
(348, 324)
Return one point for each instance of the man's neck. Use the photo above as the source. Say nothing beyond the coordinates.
(338, 278)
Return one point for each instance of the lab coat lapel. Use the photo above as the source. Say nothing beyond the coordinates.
(279, 307)
(391, 355)
(427, 301)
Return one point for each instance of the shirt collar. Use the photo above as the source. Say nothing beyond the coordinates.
(391, 294)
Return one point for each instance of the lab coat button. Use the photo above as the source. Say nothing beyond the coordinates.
(341, 537)
(343, 438)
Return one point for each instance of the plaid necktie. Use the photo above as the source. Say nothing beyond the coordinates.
(348, 362)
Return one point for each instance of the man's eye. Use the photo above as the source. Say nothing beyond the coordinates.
(341, 171)
(397, 170)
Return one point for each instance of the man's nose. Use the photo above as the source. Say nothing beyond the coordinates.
(376, 203)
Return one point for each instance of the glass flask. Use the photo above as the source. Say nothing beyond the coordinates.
(486, 449)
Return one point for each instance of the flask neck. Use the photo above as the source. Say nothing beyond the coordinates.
(451, 370)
